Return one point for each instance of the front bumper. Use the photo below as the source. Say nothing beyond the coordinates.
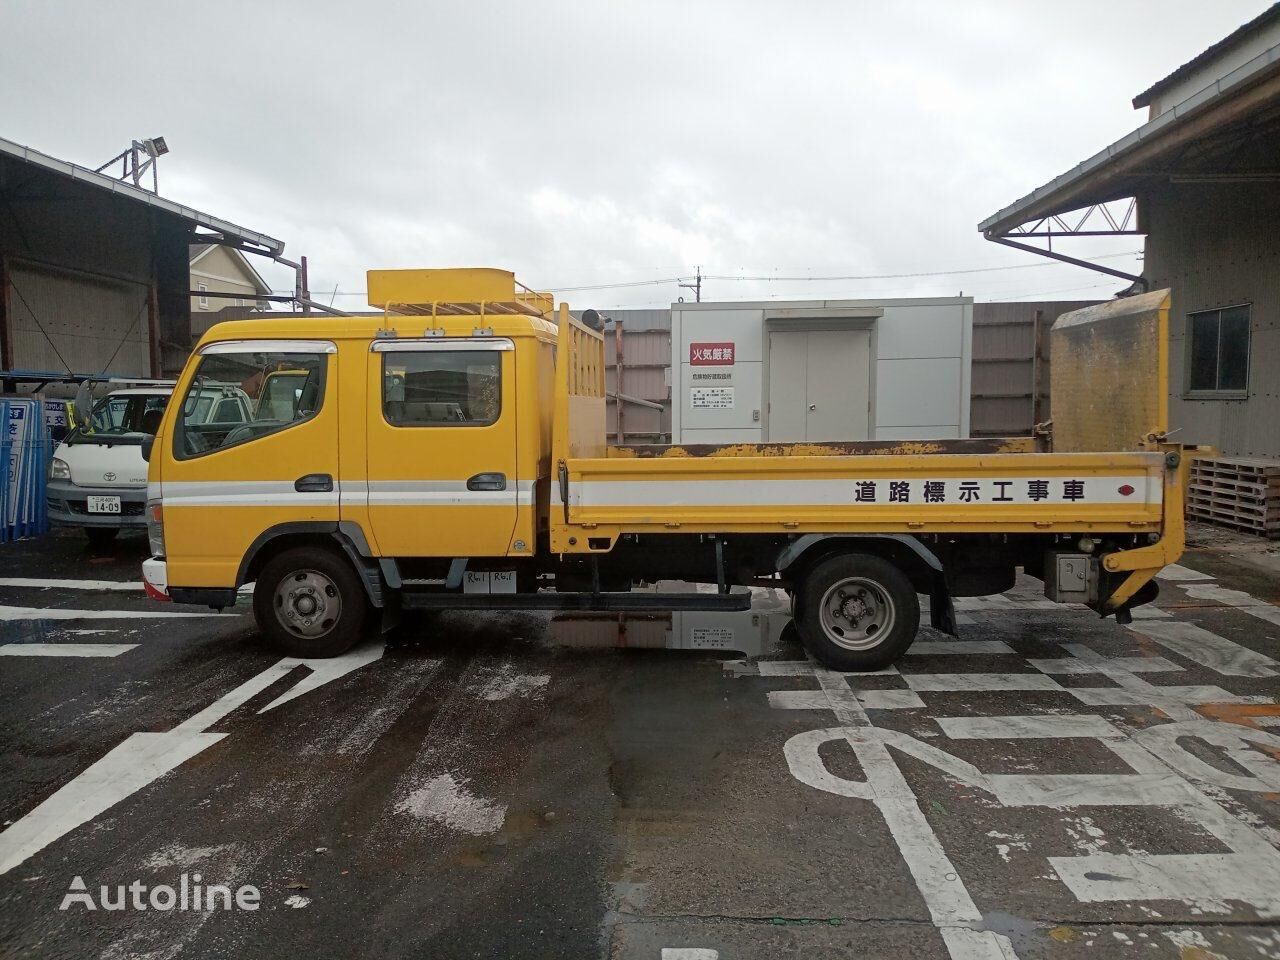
(68, 503)
(155, 578)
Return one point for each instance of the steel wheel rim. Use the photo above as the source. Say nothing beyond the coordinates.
(308, 604)
(857, 613)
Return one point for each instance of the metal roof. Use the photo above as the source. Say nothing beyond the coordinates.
(271, 246)
(1222, 46)
(1039, 202)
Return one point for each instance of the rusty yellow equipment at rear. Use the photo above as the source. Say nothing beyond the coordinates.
(452, 453)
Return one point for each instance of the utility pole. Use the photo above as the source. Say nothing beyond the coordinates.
(696, 286)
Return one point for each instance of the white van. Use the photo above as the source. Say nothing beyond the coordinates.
(97, 477)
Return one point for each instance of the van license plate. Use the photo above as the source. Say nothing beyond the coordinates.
(104, 504)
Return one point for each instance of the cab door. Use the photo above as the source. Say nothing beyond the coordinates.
(442, 447)
(224, 484)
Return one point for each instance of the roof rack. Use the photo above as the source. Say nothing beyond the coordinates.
(464, 291)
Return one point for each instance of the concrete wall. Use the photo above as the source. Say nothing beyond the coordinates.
(1218, 245)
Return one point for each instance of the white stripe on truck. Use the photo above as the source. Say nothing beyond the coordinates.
(887, 491)
(272, 493)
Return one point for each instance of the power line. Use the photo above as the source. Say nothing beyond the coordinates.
(783, 279)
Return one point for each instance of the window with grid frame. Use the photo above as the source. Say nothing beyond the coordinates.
(1218, 351)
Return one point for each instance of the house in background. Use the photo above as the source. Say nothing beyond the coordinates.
(217, 269)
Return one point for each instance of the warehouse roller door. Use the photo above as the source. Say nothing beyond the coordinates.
(62, 319)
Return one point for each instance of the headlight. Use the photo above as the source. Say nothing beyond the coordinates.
(58, 470)
(155, 527)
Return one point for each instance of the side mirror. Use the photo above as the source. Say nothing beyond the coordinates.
(148, 442)
(83, 406)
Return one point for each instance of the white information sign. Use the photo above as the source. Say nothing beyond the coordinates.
(711, 398)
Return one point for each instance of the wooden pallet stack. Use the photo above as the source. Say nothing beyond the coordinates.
(1236, 492)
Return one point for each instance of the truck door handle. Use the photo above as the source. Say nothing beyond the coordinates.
(488, 481)
(314, 483)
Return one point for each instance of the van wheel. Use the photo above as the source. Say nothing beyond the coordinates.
(101, 536)
(857, 612)
(310, 603)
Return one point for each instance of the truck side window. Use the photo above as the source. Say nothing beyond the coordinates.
(277, 389)
(442, 388)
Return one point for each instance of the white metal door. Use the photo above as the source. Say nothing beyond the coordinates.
(838, 384)
(788, 363)
(819, 385)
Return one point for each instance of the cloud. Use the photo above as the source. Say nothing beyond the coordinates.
(581, 143)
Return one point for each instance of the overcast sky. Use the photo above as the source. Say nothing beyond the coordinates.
(602, 143)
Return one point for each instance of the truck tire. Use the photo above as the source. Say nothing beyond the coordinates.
(310, 603)
(857, 612)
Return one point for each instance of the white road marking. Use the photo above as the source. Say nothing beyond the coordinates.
(1177, 573)
(979, 682)
(146, 757)
(999, 601)
(446, 800)
(1235, 598)
(950, 906)
(65, 649)
(1173, 701)
(1207, 648)
(689, 953)
(130, 586)
(1071, 665)
(68, 613)
(1163, 773)
(867, 699)
(1030, 727)
(925, 648)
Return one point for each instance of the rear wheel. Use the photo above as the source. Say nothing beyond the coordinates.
(857, 612)
(310, 603)
(101, 536)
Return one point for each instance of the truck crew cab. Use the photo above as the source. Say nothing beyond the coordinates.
(452, 453)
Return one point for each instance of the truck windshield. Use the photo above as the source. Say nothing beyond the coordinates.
(122, 418)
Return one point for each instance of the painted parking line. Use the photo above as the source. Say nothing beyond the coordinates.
(1177, 573)
(1206, 648)
(65, 649)
(70, 613)
(1234, 598)
(1160, 772)
(128, 586)
(144, 758)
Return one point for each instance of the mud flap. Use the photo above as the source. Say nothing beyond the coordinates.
(942, 612)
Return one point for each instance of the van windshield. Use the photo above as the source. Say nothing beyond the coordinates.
(122, 418)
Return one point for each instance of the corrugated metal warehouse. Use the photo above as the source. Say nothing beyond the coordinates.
(1201, 180)
(94, 271)
(1010, 382)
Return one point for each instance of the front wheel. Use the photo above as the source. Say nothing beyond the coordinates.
(310, 603)
(857, 612)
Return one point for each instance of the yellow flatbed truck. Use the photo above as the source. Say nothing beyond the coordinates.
(452, 454)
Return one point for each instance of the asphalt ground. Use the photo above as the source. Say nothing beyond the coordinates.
(475, 785)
